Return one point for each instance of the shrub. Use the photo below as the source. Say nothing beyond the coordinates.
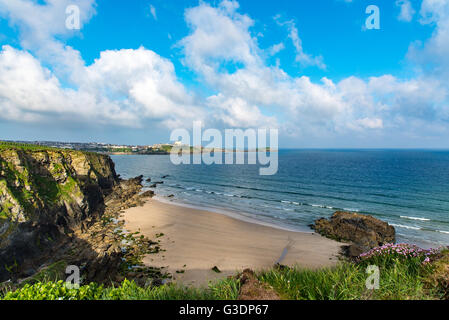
(55, 291)
(128, 290)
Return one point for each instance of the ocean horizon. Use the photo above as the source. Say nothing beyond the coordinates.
(408, 188)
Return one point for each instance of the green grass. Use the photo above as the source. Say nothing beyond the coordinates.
(403, 274)
(8, 145)
(347, 282)
(52, 273)
(23, 146)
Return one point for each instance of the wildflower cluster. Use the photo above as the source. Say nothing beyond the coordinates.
(402, 252)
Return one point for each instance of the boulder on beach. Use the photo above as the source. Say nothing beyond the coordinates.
(148, 194)
(363, 231)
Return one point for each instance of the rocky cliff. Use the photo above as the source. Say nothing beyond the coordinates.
(48, 199)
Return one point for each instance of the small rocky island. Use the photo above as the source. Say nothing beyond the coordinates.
(364, 232)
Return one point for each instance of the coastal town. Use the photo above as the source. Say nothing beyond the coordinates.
(117, 149)
(106, 148)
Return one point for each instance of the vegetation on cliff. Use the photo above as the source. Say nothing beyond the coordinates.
(34, 179)
(402, 277)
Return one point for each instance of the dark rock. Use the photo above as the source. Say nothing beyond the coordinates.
(29, 272)
(148, 180)
(170, 195)
(166, 176)
(148, 193)
(364, 231)
(281, 267)
(216, 270)
(252, 289)
(157, 282)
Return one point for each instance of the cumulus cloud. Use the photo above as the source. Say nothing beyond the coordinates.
(147, 81)
(220, 37)
(30, 92)
(237, 113)
(218, 34)
(123, 87)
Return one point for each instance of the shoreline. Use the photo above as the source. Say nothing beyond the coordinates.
(194, 241)
(232, 214)
(401, 238)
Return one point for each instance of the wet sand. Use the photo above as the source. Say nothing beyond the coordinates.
(197, 240)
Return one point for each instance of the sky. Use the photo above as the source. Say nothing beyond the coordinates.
(133, 71)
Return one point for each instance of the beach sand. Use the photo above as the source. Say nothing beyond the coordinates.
(196, 240)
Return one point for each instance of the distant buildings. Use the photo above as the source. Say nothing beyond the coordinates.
(106, 148)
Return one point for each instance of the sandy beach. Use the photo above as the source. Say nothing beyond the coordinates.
(197, 240)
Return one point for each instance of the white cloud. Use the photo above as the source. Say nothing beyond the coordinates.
(303, 58)
(146, 79)
(237, 113)
(219, 38)
(371, 123)
(218, 34)
(276, 48)
(432, 56)
(29, 92)
(153, 12)
(124, 87)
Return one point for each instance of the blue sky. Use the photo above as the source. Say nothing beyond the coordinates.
(136, 70)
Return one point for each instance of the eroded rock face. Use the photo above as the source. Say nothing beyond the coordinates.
(45, 195)
(364, 231)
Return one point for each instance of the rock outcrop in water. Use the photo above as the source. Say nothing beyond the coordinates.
(364, 231)
(51, 200)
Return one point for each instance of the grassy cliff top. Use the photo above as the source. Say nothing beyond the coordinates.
(25, 146)
(7, 145)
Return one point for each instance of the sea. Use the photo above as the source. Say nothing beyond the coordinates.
(409, 189)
